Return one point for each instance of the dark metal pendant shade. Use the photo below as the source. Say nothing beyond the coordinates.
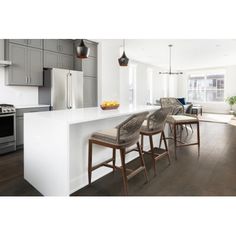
(82, 51)
(123, 60)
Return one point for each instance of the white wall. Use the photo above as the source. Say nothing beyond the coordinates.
(108, 70)
(230, 88)
(17, 95)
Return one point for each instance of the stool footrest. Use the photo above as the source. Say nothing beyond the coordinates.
(135, 172)
(105, 163)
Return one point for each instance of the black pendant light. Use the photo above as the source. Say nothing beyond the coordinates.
(123, 60)
(82, 50)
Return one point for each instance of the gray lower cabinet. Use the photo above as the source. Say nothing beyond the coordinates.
(20, 123)
(90, 92)
(19, 130)
(27, 65)
(58, 60)
(36, 43)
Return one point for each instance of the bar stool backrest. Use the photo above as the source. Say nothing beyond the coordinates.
(157, 120)
(174, 103)
(129, 130)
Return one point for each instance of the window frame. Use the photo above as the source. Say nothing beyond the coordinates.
(205, 74)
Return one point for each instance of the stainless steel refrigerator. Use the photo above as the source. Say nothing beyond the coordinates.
(62, 89)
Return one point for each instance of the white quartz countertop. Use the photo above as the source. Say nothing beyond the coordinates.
(82, 115)
(30, 106)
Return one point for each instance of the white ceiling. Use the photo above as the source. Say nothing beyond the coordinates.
(186, 53)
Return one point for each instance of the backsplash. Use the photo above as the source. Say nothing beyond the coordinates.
(17, 95)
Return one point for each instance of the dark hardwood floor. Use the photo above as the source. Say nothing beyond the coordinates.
(211, 174)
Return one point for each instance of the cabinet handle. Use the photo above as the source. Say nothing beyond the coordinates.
(26, 79)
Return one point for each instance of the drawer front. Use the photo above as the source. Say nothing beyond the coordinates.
(20, 112)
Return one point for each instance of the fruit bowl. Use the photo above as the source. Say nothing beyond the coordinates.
(109, 107)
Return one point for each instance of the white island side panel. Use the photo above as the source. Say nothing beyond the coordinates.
(46, 159)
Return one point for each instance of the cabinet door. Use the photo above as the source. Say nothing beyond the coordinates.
(51, 45)
(50, 59)
(18, 69)
(19, 130)
(19, 41)
(66, 46)
(89, 66)
(35, 43)
(35, 66)
(90, 92)
(66, 62)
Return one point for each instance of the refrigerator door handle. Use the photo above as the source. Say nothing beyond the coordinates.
(71, 90)
(67, 91)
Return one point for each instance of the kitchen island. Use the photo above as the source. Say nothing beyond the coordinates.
(56, 143)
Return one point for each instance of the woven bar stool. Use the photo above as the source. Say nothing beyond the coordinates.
(175, 121)
(153, 125)
(123, 136)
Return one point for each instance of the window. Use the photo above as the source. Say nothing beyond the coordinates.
(206, 87)
(150, 78)
(132, 84)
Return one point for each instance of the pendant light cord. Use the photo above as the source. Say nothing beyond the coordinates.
(123, 45)
(170, 58)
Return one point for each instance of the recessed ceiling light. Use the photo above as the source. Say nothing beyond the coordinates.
(218, 45)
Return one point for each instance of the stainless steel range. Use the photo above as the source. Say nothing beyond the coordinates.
(7, 128)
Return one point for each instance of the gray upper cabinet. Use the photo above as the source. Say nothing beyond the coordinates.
(35, 68)
(50, 59)
(36, 43)
(66, 62)
(51, 45)
(27, 65)
(64, 46)
(58, 60)
(90, 92)
(19, 41)
(18, 70)
(89, 66)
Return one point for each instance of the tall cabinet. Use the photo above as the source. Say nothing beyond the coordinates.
(89, 68)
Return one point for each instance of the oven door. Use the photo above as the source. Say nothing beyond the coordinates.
(7, 128)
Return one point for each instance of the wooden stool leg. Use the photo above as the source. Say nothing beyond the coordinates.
(125, 181)
(175, 141)
(164, 138)
(142, 160)
(142, 142)
(90, 154)
(198, 138)
(160, 141)
(114, 159)
(153, 154)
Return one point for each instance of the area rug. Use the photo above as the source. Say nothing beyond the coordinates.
(218, 118)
